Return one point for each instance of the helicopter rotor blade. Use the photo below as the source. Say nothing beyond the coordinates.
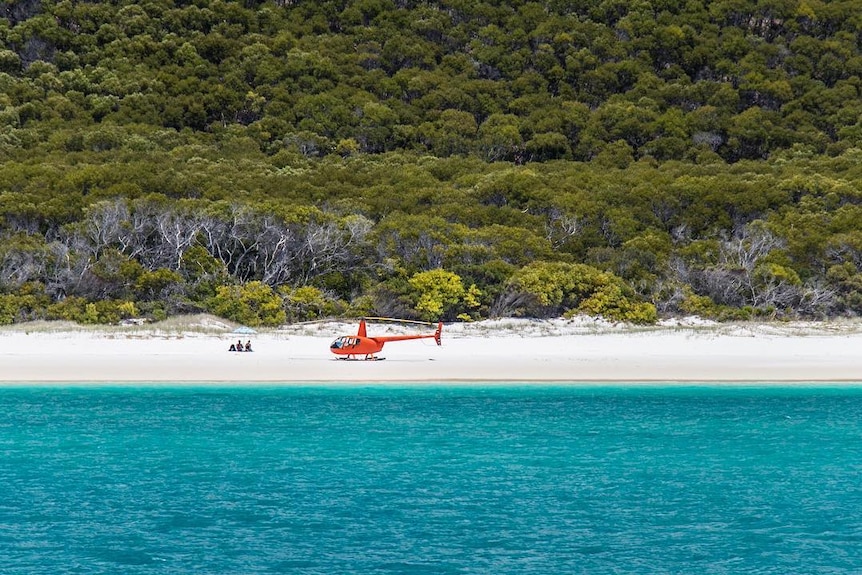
(397, 320)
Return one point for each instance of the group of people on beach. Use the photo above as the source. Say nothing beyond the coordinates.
(238, 346)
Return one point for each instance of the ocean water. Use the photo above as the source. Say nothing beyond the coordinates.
(431, 479)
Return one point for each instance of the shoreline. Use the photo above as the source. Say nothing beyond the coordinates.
(511, 352)
(438, 384)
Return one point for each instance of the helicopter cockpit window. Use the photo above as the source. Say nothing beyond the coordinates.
(344, 341)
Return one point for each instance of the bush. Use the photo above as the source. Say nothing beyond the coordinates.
(16, 308)
(308, 302)
(550, 289)
(152, 285)
(79, 310)
(439, 294)
(610, 302)
(251, 304)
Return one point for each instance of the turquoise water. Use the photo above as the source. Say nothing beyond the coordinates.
(388, 480)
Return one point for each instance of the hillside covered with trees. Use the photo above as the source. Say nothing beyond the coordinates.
(292, 159)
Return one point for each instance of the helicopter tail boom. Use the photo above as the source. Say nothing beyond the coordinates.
(436, 335)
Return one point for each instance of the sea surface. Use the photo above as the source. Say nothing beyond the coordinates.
(432, 479)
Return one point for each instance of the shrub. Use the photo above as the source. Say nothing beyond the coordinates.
(28, 303)
(548, 289)
(610, 302)
(308, 302)
(439, 294)
(79, 310)
(254, 304)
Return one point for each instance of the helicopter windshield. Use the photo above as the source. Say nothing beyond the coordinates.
(342, 341)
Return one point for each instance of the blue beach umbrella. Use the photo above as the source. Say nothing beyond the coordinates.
(244, 330)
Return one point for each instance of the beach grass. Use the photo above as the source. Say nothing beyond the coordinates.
(207, 324)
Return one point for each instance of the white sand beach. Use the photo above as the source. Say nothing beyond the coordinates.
(581, 351)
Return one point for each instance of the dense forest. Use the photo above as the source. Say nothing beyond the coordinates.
(284, 160)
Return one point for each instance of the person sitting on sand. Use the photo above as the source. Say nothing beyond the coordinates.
(232, 347)
(248, 345)
(239, 345)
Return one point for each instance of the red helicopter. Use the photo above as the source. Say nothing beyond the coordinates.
(353, 346)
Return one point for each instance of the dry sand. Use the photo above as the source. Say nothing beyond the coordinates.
(580, 351)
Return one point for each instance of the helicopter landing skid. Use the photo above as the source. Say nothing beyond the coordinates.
(354, 358)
